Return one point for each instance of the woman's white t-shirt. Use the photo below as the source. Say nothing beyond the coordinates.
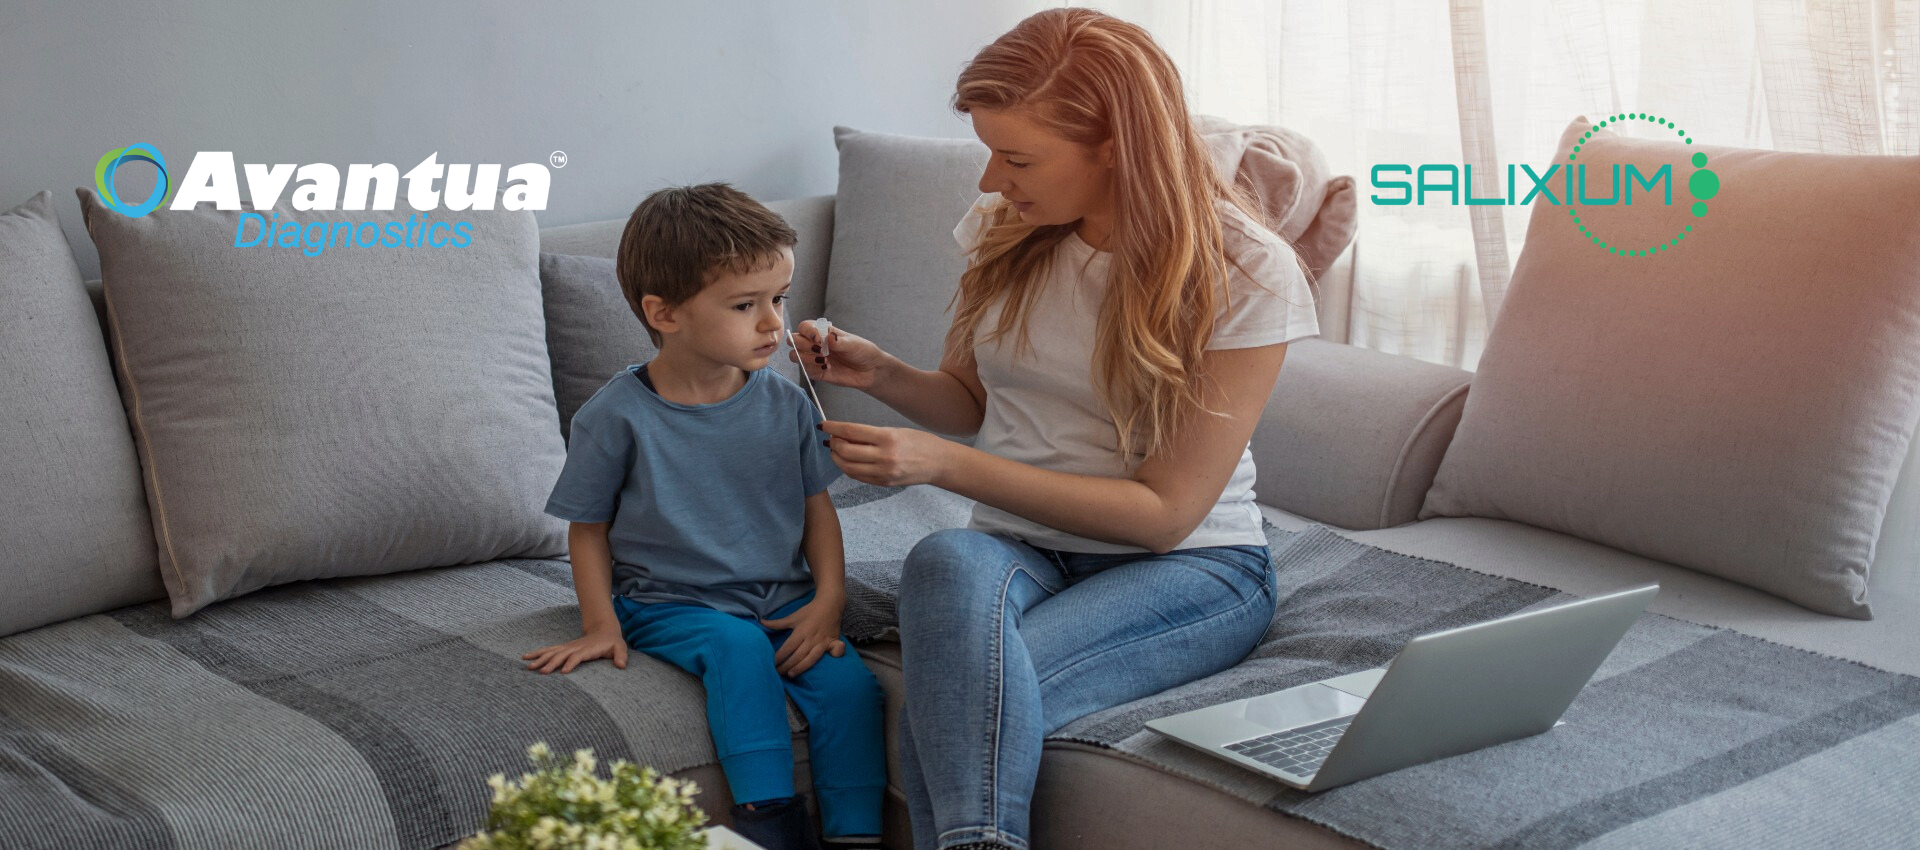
(1042, 408)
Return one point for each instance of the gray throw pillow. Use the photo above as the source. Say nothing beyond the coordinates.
(894, 264)
(591, 332)
(73, 519)
(1740, 400)
(365, 410)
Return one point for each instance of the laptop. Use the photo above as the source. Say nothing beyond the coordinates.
(1445, 693)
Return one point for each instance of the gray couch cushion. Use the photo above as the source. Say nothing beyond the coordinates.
(895, 264)
(366, 410)
(1739, 403)
(591, 332)
(1100, 799)
(72, 514)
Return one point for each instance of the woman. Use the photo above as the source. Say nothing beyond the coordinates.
(1115, 550)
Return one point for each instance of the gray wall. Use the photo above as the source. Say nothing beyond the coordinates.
(639, 95)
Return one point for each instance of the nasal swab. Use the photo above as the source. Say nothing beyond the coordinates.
(811, 393)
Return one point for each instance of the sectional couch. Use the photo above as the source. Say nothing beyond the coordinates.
(273, 542)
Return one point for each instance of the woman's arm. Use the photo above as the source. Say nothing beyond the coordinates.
(1165, 500)
(949, 400)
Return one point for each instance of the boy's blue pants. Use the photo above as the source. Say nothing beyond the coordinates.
(747, 708)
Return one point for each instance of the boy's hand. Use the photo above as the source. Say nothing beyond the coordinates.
(816, 631)
(599, 643)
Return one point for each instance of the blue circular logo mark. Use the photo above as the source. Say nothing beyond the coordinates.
(109, 164)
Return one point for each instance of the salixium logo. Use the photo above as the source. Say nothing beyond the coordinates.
(213, 177)
(1571, 178)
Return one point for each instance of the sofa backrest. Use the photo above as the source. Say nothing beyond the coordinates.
(1352, 437)
(894, 266)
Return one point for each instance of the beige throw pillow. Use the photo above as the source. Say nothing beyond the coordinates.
(1739, 399)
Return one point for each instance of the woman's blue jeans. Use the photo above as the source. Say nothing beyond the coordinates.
(1002, 643)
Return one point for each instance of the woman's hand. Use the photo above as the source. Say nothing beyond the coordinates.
(816, 632)
(599, 643)
(851, 361)
(888, 457)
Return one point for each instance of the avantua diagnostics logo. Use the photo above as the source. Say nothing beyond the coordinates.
(109, 165)
(1570, 180)
(214, 177)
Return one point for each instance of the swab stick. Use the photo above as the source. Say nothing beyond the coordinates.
(811, 393)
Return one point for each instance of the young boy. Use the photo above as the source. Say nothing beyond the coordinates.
(701, 530)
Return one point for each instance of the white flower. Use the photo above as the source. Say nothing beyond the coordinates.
(631, 809)
(546, 828)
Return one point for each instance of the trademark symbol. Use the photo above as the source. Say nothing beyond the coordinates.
(558, 158)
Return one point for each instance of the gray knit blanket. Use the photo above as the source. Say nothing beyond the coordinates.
(367, 713)
(358, 714)
(1688, 736)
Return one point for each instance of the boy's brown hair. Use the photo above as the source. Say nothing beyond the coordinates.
(680, 238)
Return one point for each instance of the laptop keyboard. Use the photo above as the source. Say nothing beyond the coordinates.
(1297, 751)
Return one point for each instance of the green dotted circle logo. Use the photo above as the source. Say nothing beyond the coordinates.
(1703, 184)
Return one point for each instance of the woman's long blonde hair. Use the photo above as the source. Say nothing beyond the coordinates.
(1090, 77)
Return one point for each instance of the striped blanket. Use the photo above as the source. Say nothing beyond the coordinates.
(367, 713)
(358, 714)
(1688, 736)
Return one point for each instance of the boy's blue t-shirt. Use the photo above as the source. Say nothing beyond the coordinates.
(707, 501)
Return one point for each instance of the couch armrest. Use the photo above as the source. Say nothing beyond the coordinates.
(1353, 437)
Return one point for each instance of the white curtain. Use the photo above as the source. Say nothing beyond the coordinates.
(1491, 82)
